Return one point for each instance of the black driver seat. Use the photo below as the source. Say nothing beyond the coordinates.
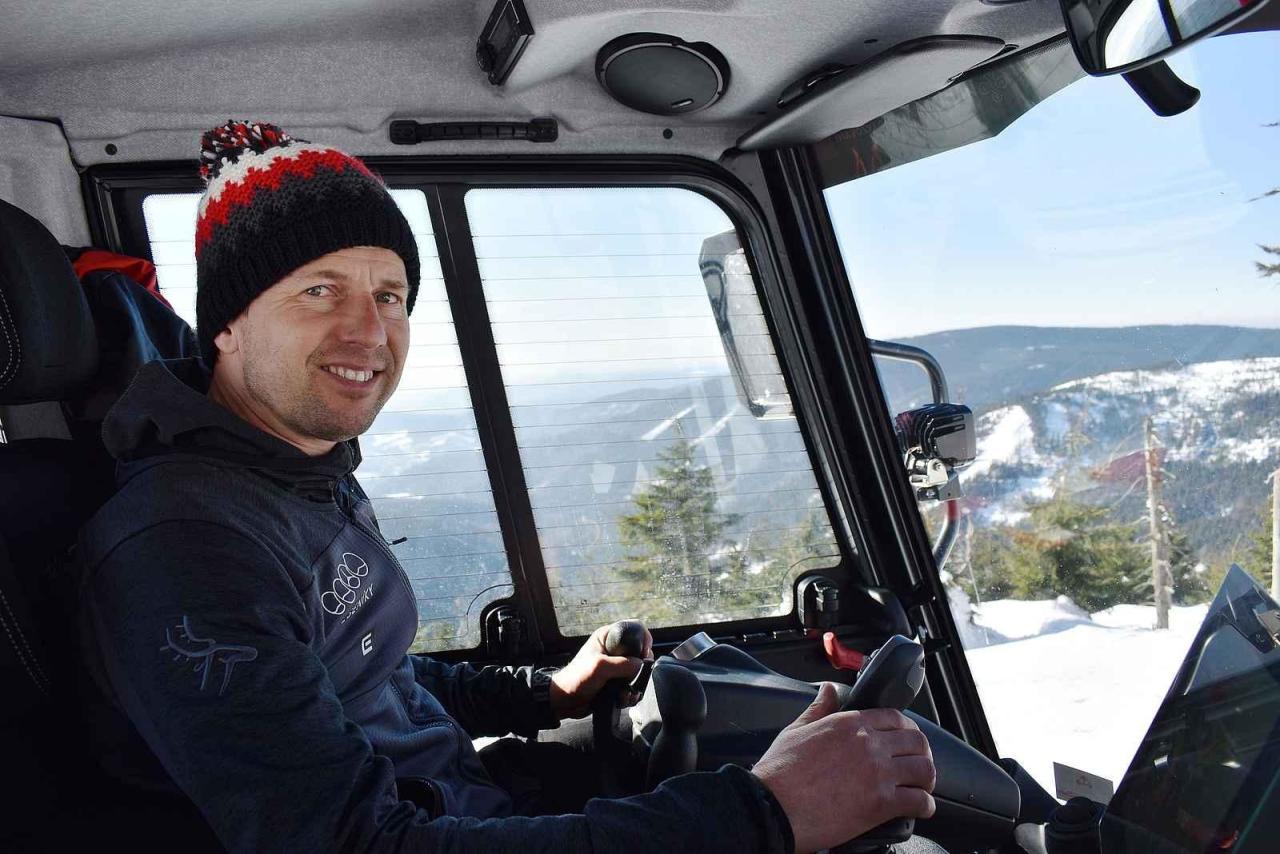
(59, 369)
(48, 486)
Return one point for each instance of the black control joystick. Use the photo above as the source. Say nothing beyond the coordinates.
(890, 678)
(626, 638)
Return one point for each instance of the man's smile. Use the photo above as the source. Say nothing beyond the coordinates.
(353, 378)
(361, 375)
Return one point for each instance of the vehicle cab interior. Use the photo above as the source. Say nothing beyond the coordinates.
(648, 235)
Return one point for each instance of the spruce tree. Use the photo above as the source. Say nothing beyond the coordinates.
(1257, 558)
(673, 536)
(1072, 549)
(1253, 556)
(988, 565)
(1189, 586)
(1268, 268)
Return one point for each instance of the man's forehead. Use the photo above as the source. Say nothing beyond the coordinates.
(352, 263)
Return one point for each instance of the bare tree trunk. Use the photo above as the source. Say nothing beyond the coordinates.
(968, 557)
(1161, 577)
(1275, 535)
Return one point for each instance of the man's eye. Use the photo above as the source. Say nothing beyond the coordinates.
(316, 290)
(389, 298)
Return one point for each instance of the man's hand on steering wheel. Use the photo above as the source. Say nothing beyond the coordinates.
(575, 685)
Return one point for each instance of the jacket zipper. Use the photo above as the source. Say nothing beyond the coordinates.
(459, 736)
(380, 542)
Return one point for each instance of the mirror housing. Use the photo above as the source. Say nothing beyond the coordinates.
(743, 331)
(1117, 36)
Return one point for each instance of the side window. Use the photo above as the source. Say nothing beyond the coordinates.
(1110, 315)
(668, 479)
(423, 467)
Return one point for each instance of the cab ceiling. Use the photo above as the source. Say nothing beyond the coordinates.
(148, 76)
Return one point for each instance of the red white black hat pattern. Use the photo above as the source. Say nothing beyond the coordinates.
(273, 203)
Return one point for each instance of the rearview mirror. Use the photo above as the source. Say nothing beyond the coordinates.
(1115, 36)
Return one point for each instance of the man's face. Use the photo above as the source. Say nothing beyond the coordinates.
(315, 356)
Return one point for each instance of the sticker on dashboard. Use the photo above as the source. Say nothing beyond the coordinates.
(1072, 782)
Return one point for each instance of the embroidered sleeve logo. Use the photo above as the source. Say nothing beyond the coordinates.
(205, 653)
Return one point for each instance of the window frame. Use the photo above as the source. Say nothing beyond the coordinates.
(114, 194)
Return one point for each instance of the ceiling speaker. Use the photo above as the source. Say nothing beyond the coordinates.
(661, 74)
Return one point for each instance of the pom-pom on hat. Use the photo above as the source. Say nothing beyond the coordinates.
(273, 203)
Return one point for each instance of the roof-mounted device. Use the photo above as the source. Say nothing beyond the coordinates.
(505, 36)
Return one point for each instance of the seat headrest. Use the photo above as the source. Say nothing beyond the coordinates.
(48, 345)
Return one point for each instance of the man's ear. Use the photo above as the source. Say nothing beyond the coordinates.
(228, 340)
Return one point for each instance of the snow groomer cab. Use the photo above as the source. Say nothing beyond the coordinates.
(931, 348)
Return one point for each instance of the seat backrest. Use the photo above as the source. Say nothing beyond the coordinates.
(22, 654)
(28, 696)
(66, 358)
(48, 353)
(68, 349)
(48, 345)
(72, 348)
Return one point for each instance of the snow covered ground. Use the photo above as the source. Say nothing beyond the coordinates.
(1058, 684)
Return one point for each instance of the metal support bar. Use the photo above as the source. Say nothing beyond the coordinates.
(917, 356)
(938, 382)
(948, 535)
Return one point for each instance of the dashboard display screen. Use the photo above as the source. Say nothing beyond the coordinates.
(1205, 776)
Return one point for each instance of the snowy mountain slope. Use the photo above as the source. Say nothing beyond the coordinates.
(1198, 410)
(1201, 411)
(1215, 420)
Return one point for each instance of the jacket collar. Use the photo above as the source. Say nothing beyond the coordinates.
(166, 410)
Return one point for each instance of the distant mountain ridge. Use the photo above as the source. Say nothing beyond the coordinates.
(992, 365)
(1216, 424)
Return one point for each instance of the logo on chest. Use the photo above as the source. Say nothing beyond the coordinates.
(351, 587)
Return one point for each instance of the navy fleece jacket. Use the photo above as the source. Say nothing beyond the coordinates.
(247, 625)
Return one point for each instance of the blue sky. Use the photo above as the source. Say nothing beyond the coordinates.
(1087, 211)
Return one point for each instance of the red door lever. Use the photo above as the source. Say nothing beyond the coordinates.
(841, 656)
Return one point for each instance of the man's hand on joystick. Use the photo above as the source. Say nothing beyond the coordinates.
(840, 774)
(575, 686)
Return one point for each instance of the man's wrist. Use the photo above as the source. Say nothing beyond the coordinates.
(781, 820)
(544, 691)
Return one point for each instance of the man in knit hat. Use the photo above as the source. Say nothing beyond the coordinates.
(292, 240)
(246, 626)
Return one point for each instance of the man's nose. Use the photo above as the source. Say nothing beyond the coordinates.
(362, 323)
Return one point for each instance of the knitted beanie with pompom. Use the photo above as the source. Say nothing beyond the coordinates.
(273, 203)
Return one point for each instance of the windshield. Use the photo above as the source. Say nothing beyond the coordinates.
(1102, 287)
